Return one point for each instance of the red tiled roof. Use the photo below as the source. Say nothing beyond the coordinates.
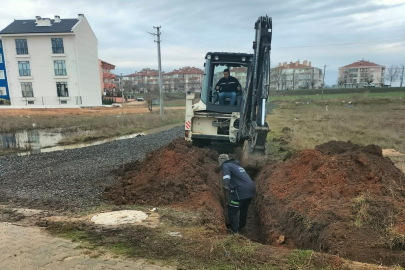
(106, 64)
(152, 72)
(186, 70)
(238, 69)
(362, 63)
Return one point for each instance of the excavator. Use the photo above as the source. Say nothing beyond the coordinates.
(244, 122)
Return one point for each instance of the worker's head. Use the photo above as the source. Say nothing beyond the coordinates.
(226, 73)
(222, 158)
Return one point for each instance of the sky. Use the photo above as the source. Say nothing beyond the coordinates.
(334, 33)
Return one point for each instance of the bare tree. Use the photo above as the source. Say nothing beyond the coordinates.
(392, 73)
(402, 75)
(342, 81)
(284, 80)
(308, 79)
(368, 77)
(276, 78)
(127, 85)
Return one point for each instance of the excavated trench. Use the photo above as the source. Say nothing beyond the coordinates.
(339, 198)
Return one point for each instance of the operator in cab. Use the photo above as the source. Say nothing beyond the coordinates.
(227, 87)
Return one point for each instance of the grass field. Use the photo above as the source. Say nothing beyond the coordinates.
(302, 122)
(340, 97)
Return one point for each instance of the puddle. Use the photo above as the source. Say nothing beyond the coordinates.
(43, 140)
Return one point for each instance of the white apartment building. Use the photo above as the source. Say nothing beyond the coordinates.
(294, 76)
(52, 63)
(361, 73)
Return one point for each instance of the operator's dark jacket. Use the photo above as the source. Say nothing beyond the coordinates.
(239, 182)
(228, 85)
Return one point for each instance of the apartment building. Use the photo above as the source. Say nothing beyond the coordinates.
(3, 77)
(52, 62)
(183, 80)
(144, 81)
(107, 79)
(360, 73)
(178, 80)
(294, 76)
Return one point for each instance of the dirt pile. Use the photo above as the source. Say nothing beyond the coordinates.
(177, 175)
(341, 198)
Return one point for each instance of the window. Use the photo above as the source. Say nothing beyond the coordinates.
(31, 102)
(57, 45)
(2, 76)
(21, 46)
(1, 58)
(2, 91)
(63, 102)
(24, 68)
(61, 89)
(26, 88)
(60, 68)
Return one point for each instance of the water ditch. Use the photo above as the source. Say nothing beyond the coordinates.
(29, 142)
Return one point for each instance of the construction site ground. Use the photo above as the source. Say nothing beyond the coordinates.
(338, 205)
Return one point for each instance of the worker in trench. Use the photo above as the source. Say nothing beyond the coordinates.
(241, 191)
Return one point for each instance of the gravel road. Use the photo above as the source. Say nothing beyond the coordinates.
(72, 178)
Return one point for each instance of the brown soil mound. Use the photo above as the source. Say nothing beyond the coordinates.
(341, 198)
(177, 175)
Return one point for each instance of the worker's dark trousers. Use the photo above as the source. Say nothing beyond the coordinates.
(234, 207)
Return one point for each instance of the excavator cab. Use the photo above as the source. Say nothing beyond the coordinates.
(215, 64)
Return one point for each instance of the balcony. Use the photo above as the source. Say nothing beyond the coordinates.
(110, 85)
(108, 76)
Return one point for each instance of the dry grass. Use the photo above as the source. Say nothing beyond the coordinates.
(369, 121)
(95, 125)
(298, 125)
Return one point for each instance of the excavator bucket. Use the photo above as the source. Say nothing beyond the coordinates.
(253, 159)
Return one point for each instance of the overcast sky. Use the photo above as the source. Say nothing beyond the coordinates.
(328, 32)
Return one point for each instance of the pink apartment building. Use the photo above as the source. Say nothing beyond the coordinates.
(106, 77)
(178, 80)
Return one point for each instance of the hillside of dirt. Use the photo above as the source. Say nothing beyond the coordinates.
(341, 198)
(178, 175)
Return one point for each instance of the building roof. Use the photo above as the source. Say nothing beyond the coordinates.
(30, 27)
(238, 69)
(145, 72)
(293, 65)
(106, 64)
(152, 72)
(186, 70)
(362, 63)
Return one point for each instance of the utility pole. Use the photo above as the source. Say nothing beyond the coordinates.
(160, 67)
(324, 73)
(122, 92)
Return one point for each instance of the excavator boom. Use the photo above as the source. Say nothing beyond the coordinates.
(253, 128)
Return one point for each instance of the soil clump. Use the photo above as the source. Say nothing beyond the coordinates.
(341, 198)
(177, 175)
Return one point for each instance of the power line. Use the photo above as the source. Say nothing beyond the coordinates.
(187, 41)
(338, 44)
(180, 43)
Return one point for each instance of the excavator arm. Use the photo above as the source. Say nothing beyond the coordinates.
(253, 128)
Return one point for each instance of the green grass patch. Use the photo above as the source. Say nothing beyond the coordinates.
(339, 97)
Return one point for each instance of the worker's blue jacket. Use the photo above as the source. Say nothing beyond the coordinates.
(236, 179)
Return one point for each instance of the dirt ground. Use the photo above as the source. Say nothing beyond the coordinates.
(132, 107)
(178, 175)
(341, 198)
